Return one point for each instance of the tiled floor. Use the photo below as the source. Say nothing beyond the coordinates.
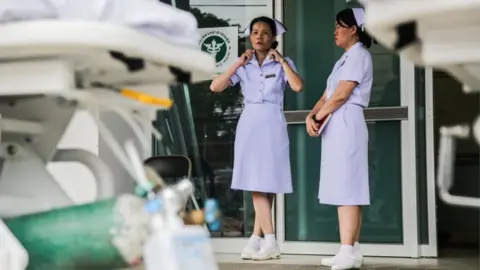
(467, 262)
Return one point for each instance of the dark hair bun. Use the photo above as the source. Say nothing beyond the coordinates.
(274, 44)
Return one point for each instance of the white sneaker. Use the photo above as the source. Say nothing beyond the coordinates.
(329, 261)
(267, 252)
(248, 252)
(358, 257)
(345, 262)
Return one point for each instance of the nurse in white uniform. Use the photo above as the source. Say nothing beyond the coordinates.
(344, 161)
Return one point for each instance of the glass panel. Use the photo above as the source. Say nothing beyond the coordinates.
(215, 118)
(173, 142)
(179, 139)
(310, 43)
(307, 220)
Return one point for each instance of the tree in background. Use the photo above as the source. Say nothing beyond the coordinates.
(206, 20)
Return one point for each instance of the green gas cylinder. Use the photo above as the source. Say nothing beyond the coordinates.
(102, 235)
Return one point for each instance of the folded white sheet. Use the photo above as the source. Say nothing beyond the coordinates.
(150, 16)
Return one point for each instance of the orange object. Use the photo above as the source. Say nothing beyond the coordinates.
(146, 98)
(197, 217)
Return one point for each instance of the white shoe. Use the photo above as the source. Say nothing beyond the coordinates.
(329, 261)
(248, 252)
(267, 252)
(358, 257)
(344, 262)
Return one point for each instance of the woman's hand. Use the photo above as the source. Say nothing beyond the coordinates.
(245, 57)
(312, 127)
(320, 115)
(275, 55)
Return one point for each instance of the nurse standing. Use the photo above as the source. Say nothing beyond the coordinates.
(262, 159)
(344, 164)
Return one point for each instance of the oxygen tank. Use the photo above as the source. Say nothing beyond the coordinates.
(106, 234)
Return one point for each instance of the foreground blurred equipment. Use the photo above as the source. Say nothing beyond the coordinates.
(441, 34)
(107, 233)
(111, 233)
(122, 57)
(172, 168)
(172, 244)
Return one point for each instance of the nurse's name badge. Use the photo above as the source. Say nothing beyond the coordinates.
(269, 76)
(343, 62)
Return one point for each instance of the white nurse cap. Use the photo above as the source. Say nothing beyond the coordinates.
(278, 26)
(359, 15)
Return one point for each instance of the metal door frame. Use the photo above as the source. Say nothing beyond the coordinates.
(430, 249)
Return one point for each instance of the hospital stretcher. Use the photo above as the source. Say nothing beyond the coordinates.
(49, 69)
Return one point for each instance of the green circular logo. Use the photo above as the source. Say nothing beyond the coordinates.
(217, 44)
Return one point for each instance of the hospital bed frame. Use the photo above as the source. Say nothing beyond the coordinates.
(48, 70)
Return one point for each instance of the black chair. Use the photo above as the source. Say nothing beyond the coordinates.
(171, 169)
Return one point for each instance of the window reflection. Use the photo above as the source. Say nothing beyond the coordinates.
(215, 118)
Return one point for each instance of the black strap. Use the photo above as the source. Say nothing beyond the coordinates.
(180, 75)
(407, 35)
(133, 63)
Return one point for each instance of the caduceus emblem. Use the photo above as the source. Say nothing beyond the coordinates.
(213, 48)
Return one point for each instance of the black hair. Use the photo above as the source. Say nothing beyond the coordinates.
(346, 18)
(271, 23)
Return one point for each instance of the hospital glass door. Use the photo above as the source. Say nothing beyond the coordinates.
(390, 224)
